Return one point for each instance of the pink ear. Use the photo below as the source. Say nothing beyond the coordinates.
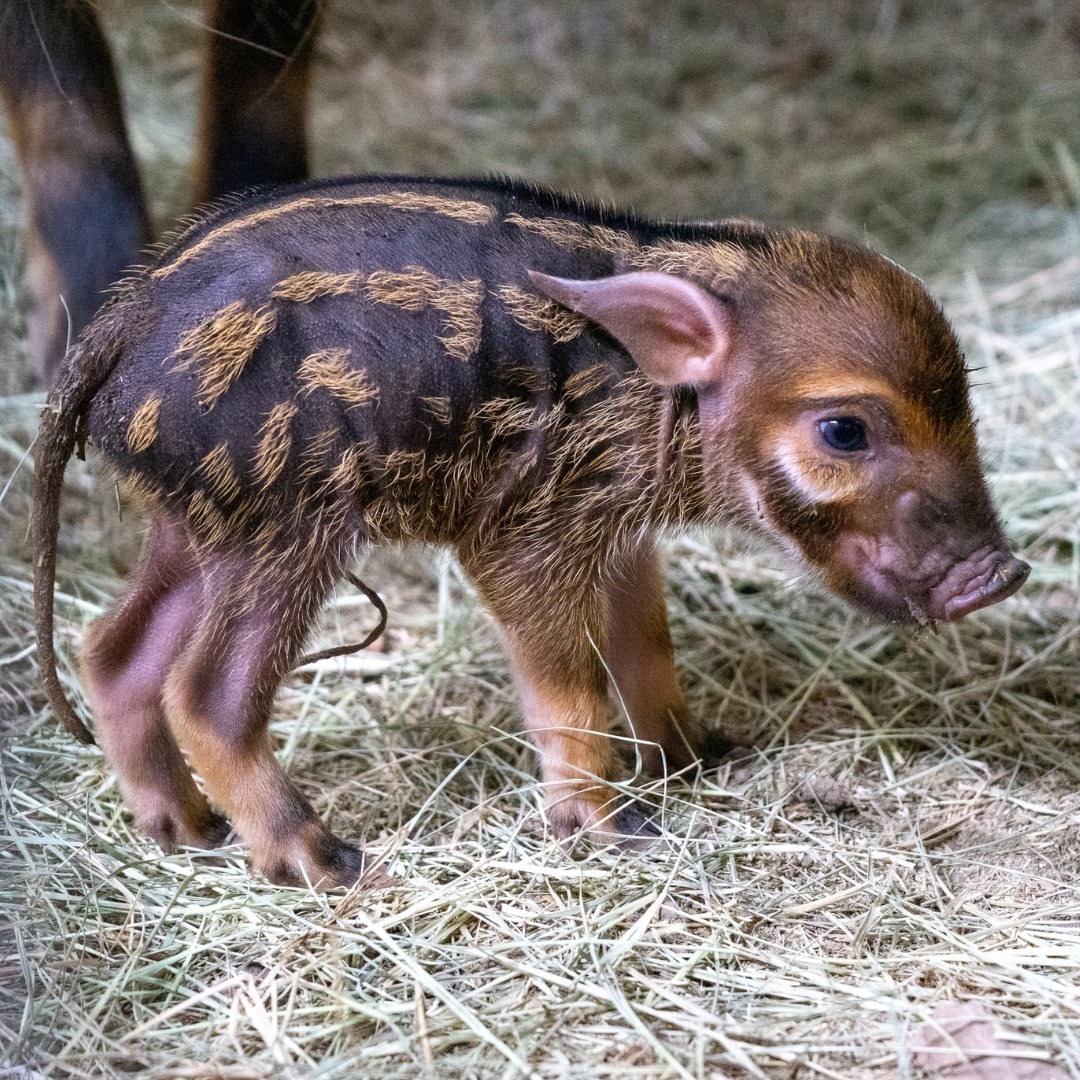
(676, 332)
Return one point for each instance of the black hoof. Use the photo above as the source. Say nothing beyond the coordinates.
(716, 748)
(635, 829)
(212, 830)
(346, 867)
(334, 865)
(216, 831)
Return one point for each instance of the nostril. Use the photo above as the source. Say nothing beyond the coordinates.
(1007, 578)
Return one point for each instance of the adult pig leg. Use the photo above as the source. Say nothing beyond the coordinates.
(125, 661)
(219, 696)
(87, 214)
(253, 119)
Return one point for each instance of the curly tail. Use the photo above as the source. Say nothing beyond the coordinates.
(83, 371)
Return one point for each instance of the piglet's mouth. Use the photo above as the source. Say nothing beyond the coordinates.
(997, 581)
(880, 579)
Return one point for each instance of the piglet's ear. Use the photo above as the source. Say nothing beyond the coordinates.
(676, 332)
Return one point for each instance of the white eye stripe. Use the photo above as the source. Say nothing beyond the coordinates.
(788, 458)
(812, 480)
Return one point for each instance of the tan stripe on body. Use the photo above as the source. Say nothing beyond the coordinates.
(439, 408)
(576, 235)
(206, 520)
(329, 370)
(220, 473)
(219, 348)
(274, 444)
(585, 382)
(472, 213)
(540, 315)
(707, 260)
(315, 284)
(710, 261)
(143, 429)
(415, 289)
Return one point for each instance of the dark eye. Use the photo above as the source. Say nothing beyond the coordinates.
(844, 433)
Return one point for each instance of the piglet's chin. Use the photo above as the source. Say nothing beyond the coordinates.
(857, 575)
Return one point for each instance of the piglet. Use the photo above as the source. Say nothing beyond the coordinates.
(541, 385)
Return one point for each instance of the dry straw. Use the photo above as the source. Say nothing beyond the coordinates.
(902, 830)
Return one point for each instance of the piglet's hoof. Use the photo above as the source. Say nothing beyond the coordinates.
(634, 829)
(328, 863)
(607, 822)
(173, 829)
(717, 749)
(710, 750)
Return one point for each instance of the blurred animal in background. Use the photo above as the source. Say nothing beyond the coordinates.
(541, 385)
(86, 208)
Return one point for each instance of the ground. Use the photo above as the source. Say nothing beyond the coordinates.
(902, 832)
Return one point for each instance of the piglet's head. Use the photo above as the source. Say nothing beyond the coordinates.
(834, 412)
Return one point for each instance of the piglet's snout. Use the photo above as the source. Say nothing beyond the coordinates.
(941, 522)
(995, 578)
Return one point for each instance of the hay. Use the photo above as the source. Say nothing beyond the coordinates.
(903, 831)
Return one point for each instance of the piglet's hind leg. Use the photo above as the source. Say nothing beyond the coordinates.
(219, 697)
(125, 661)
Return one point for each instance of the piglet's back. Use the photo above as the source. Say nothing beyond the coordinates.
(275, 340)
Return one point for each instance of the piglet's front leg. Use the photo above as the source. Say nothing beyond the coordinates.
(641, 666)
(553, 631)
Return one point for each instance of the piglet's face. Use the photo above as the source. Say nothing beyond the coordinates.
(862, 457)
(884, 498)
(833, 402)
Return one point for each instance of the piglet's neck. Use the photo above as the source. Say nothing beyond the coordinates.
(679, 495)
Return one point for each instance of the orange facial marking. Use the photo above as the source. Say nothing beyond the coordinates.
(920, 429)
(817, 477)
(826, 384)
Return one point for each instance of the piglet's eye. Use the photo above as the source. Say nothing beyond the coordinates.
(844, 433)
